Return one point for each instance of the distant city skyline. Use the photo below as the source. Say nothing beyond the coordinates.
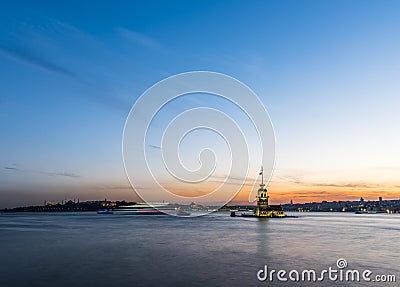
(326, 71)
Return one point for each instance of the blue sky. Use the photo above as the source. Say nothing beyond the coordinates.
(327, 71)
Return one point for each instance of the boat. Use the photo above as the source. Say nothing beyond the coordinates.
(369, 211)
(182, 213)
(144, 209)
(105, 211)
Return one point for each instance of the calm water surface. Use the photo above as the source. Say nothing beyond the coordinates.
(86, 249)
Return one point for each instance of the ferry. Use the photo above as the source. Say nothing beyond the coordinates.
(369, 211)
(181, 212)
(144, 209)
(104, 211)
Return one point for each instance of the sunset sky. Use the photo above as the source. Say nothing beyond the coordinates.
(328, 73)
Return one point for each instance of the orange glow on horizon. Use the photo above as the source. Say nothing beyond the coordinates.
(301, 194)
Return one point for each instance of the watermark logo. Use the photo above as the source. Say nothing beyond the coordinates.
(180, 118)
(340, 273)
(341, 263)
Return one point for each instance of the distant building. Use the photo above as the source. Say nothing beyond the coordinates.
(48, 203)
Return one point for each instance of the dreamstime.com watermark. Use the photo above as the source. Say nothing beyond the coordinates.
(340, 273)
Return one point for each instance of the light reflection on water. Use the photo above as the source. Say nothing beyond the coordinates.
(86, 249)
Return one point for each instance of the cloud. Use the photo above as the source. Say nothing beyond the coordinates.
(11, 168)
(111, 187)
(28, 57)
(140, 39)
(345, 185)
(299, 181)
(57, 173)
(66, 174)
(154, 146)
(46, 50)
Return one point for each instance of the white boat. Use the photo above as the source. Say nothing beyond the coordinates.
(144, 209)
(182, 213)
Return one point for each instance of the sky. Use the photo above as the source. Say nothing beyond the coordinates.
(327, 72)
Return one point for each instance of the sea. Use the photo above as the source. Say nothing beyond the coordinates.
(87, 249)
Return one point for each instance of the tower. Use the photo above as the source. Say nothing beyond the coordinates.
(263, 208)
(262, 197)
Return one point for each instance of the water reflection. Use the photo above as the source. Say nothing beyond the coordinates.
(216, 250)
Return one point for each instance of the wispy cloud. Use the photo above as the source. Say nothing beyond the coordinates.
(344, 185)
(140, 39)
(55, 173)
(298, 181)
(44, 49)
(112, 187)
(28, 57)
(154, 146)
